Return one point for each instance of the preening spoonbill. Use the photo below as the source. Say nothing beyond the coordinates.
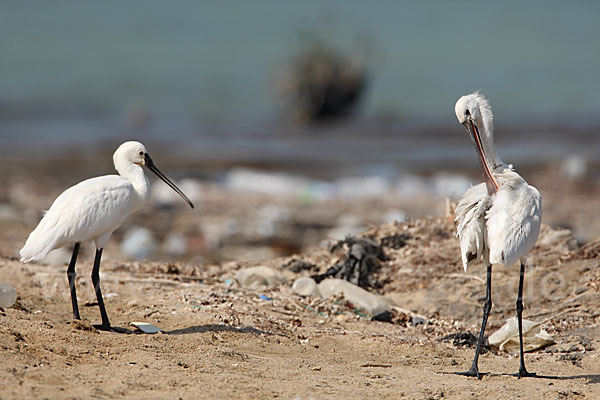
(498, 220)
(93, 210)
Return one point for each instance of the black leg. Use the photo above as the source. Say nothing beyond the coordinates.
(522, 370)
(96, 281)
(71, 277)
(487, 306)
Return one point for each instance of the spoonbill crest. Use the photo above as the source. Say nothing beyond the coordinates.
(498, 220)
(93, 210)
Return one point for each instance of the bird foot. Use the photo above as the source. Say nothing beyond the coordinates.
(474, 372)
(523, 373)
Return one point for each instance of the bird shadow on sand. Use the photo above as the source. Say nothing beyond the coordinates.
(220, 328)
(591, 378)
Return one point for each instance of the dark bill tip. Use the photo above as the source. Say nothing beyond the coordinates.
(150, 165)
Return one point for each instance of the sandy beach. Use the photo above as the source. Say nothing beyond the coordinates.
(222, 340)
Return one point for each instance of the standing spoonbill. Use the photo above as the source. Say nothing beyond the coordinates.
(499, 220)
(93, 210)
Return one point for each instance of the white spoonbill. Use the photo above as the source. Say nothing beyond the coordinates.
(93, 210)
(499, 220)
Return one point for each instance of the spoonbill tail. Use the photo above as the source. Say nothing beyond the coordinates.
(498, 220)
(93, 210)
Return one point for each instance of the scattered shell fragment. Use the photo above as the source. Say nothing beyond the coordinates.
(507, 338)
(146, 327)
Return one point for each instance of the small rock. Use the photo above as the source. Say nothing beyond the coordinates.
(581, 289)
(8, 295)
(418, 321)
(259, 276)
(306, 286)
(385, 316)
(356, 295)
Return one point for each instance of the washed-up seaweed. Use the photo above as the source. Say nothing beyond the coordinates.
(360, 265)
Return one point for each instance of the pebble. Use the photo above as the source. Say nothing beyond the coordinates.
(259, 276)
(306, 286)
(8, 295)
(372, 304)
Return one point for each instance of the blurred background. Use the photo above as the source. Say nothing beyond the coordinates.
(290, 124)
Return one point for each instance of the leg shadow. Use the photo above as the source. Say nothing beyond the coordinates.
(220, 328)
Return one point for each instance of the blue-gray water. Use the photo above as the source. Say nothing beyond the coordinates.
(71, 71)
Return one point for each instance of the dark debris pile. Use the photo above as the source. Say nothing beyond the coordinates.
(360, 265)
(466, 339)
(362, 260)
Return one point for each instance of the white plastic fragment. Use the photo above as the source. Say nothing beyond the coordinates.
(138, 243)
(8, 295)
(358, 296)
(259, 276)
(175, 244)
(507, 338)
(574, 166)
(306, 286)
(146, 327)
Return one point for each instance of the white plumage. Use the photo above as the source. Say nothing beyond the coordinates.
(498, 221)
(93, 210)
(500, 228)
(90, 210)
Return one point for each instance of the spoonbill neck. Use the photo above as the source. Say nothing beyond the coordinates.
(134, 173)
(488, 158)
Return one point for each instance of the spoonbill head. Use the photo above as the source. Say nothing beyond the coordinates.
(93, 210)
(474, 113)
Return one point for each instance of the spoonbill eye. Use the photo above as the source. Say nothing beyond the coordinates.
(467, 112)
(141, 153)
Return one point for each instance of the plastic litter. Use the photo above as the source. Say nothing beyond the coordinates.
(306, 286)
(507, 338)
(574, 166)
(269, 217)
(175, 244)
(276, 184)
(146, 327)
(259, 276)
(265, 297)
(8, 295)
(362, 186)
(138, 243)
(445, 184)
(358, 296)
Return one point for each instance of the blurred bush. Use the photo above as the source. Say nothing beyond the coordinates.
(321, 83)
